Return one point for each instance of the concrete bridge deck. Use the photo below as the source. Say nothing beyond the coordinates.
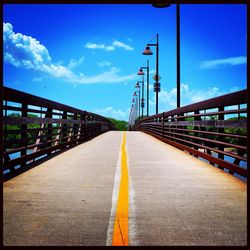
(174, 198)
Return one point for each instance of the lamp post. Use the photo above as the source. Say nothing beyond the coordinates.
(134, 101)
(131, 115)
(140, 72)
(147, 51)
(141, 101)
(178, 55)
(178, 68)
(138, 86)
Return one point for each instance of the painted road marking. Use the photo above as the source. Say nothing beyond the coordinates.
(115, 229)
(114, 200)
(120, 233)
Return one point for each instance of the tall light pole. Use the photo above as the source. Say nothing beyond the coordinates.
(135, 102)
(178, 76)
(142, 104)
(178, 68)
(140, 72)
(147, 51)
(135, 94)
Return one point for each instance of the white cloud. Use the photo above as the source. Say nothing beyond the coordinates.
(113, 113)
(104, 63)
(110, 76)
(209, 64)
(94, 46)
(197, 95)
(109, 48)
(122, 45)
(27, 52)
(167, 99)
(113, 46)
(99, 46)
(75, 63)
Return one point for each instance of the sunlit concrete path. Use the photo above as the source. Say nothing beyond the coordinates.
(174, 198)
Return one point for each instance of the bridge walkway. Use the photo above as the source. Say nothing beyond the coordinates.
(174, 198)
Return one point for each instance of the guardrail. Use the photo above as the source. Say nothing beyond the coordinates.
(36, 128)
(215, 130)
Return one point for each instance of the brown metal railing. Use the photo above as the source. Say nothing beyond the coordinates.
(35, 128)
(215, 130)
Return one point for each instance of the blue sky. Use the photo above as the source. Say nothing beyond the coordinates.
(87, 56)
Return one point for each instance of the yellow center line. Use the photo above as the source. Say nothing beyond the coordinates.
(120, 234)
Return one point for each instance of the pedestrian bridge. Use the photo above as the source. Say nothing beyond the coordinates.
(118, 188)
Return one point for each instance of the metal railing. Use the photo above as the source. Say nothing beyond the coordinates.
(215, 130)
(36, 128)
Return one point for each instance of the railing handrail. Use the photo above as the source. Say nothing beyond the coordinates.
(13, 95)
(238, 97)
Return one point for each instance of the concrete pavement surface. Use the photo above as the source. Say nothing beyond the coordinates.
(181, 200)
(65, 200)
(174, 198)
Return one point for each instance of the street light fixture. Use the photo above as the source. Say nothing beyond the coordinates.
(147, 52)
(161, 5)
(178, 68)
(140, 72)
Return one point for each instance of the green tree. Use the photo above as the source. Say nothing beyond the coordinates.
(119, 124)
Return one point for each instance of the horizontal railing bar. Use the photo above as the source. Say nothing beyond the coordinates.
(232, 167)
(21, 97)
(200, 131)
(33, 130)
(210, 141)
(203, 123)
(208, 114)
(11, 151)
(236, 98)
(25, 98)
(31, 120)
(205, 147)
(215, 123)
(8, 108)
(209, 133)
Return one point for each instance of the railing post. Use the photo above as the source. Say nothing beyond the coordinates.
(163, 128)
(75, 128)
(170, 127)
(181, 127)
(196, 134)
(78, 137)
(241, 141)
(86, 126)
(49, 127)
(64, 125)
(6, 157)
(221, 138)
(83, 127)
(59, 131)
(24, 136)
